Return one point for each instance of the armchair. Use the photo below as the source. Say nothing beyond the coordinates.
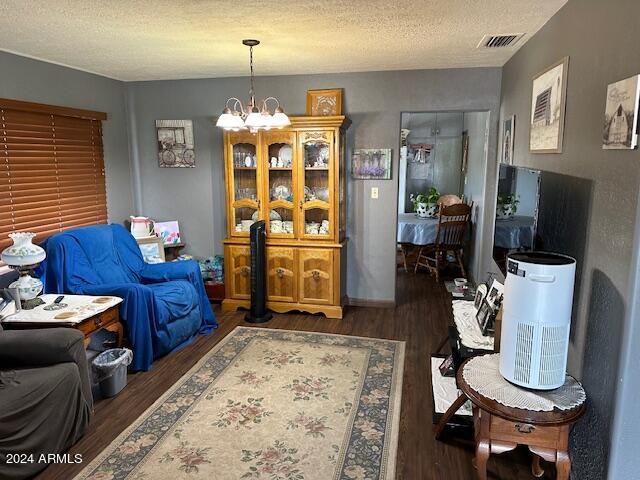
(164, 305)
(45, 395)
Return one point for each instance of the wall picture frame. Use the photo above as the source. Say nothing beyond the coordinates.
(371, 164)
(152, 249)
(620, 130)
(324, 103)
(508, 144)
(175, 144)
(548, 105)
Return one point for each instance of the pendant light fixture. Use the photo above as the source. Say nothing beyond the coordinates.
(237, 117)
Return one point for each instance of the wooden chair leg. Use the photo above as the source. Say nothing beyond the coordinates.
(451, 411)
(438, 253)
(415, 270)
(459, 255)
(404, 257)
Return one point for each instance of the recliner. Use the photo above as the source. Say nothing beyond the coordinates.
(45, 396)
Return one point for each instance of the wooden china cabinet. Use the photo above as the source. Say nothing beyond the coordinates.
(294, 180)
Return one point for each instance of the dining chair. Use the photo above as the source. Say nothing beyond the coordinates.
(450, 236)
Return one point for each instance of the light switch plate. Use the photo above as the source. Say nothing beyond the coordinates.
(374, 192)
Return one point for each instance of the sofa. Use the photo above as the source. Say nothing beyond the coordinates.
(164, 306)
(45, 396)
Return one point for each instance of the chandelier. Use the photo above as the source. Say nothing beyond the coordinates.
(237, 117)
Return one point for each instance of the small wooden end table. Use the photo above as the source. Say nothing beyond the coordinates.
(108, 319)
(499, 429)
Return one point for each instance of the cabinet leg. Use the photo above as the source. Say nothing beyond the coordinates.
(483, 450)
(563, 466)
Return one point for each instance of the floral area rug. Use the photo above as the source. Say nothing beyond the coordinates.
(274, 405)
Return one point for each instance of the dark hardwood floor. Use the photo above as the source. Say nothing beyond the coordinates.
(420, 319)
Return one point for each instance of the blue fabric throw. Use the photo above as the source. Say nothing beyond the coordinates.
(164, 305)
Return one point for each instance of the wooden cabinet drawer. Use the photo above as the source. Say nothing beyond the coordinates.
(281, 274)
(521, 432)
(316, 275)
(238, 271)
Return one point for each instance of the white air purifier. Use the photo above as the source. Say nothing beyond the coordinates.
(536, 319)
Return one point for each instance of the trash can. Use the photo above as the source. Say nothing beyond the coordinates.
(110, 370)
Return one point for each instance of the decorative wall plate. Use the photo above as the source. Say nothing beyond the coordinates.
(286, 154)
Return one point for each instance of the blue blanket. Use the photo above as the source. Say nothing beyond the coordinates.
(164, 305)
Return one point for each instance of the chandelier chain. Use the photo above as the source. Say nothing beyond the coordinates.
(251, 90)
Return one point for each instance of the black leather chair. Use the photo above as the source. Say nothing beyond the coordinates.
(45, 395)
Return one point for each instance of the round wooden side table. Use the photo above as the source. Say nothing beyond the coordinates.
(499, 429)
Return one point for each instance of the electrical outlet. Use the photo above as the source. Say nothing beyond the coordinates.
(374, 192)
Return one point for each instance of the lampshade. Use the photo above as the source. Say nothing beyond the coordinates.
(254, 119)
(280, 120)
(237, 123)
(226, 120)
(22, 252)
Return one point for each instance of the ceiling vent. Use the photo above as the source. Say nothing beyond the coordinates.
(500, 41)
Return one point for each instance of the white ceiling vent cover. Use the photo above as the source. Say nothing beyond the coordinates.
(500, 41)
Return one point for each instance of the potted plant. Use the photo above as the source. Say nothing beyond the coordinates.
(426, 204)
(507, 206)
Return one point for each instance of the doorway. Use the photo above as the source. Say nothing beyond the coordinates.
(441, 153)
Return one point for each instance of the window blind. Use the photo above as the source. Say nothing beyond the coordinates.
(51, 169)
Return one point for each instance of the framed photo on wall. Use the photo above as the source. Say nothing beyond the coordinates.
(325, 103)
(548, 102)
(371, 164)
(175, 144)
(621, 115)
(508, 130)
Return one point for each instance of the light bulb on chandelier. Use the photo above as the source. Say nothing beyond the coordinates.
(237, 117)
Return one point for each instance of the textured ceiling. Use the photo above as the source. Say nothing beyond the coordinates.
(167, 39)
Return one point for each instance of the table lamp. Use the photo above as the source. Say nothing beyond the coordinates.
(23, 256)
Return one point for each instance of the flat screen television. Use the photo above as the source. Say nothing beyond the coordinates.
(540, 210)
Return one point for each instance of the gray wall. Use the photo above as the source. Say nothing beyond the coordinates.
(34, 81)
(373, 101)
(598, 37)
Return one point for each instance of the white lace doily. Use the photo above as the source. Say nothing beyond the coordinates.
(464, 316)
(483, 375)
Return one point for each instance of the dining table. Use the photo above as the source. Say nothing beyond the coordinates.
(415, 231)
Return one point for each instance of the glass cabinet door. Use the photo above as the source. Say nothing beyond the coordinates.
(244, 191)
(316, 202)
(279, 194)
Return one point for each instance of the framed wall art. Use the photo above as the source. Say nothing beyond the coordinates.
(324, 103)
(621, 115)
(508, 130)
(548, 101)
(175, 144)
(371, 164)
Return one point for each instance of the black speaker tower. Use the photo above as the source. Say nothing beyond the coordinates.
(257, 239)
